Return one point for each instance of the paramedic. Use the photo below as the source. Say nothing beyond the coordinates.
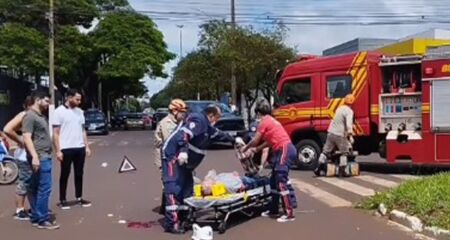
(270, 133)
(177, 112)
(183, 151)
(339, 136)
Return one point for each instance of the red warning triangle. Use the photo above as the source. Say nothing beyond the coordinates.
(126, 165)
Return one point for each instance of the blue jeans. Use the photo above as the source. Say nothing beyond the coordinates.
(39, 192)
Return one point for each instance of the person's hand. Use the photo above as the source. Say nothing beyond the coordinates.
(239, 142)
(88, 151)
(35, 164)
(182, 158)
(60, 156)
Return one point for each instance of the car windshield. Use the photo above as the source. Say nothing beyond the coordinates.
(95, 116)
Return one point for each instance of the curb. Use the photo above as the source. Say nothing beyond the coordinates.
(414, 223)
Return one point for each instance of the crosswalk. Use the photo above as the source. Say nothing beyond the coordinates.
(335, 192)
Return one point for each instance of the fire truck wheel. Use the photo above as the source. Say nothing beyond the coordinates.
(308, 152)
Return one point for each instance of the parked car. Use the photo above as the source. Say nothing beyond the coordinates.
(159, 115)
(96, 122)
(118, 120)
(230, 122)
(137, 120)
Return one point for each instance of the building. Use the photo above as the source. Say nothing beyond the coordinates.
(358, 44)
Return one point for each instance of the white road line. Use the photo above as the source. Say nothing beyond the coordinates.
(378, 181)
(321, 195)
(405, 176)
(348, 186)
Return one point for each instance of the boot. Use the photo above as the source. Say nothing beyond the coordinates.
(341, 172)
(319, 169)
(162, 208)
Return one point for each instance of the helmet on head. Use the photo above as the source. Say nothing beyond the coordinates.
(178, 105)
(263, 107)
(349, 99)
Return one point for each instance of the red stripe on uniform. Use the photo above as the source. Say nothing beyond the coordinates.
(285, 199)
(174, 213)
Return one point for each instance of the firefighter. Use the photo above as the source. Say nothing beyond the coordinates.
(177, 112)
(183, 151)
(270, 133)
(339, 136)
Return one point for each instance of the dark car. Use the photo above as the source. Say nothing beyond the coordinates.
(118, 120)
(159, 115)
(137, 120)
(96, 122)
(230, 122)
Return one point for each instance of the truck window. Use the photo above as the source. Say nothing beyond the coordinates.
(296, 91)
(339, 86)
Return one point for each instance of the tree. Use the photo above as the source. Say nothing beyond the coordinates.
(23, 49)
(128, 46)
(257, 56)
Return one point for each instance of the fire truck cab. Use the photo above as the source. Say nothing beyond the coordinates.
(402, 107)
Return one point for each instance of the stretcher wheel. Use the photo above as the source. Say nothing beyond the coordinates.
(222, 228)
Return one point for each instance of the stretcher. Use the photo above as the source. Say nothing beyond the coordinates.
(256, 196)
(219, 209)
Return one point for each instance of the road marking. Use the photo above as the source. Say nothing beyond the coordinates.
(405, 177)
(348, 186)
(321, 195)
(378, 181)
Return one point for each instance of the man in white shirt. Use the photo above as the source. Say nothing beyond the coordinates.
(339, 136)
(71, 146)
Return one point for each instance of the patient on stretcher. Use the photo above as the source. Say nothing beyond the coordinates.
(223, 184)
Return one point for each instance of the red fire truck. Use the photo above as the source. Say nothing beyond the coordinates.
(402, 107)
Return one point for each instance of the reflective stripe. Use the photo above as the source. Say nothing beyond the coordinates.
(177, 207)
(189, 132)
(215, 134)
(197, 150)
(170, 137)
(284, 193)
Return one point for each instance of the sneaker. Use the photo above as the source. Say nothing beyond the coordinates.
(22, 216)
(269, 214)
(84, 203)
(285, 218)
(64, 205)
(34, 224)
(48, 225)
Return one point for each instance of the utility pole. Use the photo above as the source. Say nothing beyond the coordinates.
(181, 40)
(51, 54)
(233, 70)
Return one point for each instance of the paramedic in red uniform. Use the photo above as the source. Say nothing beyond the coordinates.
(270, 133)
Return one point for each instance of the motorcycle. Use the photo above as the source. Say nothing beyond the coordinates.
(9, 171)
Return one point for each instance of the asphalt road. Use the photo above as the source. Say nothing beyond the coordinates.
(325, 204)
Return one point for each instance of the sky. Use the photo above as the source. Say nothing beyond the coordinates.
(314, 25)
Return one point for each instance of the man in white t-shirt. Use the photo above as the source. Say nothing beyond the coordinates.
(71, 146)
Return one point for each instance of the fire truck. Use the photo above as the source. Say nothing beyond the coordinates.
(402, 107)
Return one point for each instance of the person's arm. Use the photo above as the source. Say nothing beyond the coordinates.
(57, 122)
(12, 126)
(219, 136)
(158, 135)
(56, 142)
(27, 130)
(261, 147)
(86, 143)
(349, 123)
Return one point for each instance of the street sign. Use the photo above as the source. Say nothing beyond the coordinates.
(126, 165)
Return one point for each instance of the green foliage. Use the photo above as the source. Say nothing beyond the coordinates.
(22, 48)
(428, 199)
(256, 55)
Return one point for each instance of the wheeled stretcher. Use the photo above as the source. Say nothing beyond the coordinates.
(255, 196)
(218, 210)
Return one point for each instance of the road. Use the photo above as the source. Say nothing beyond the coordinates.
(325, 204)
